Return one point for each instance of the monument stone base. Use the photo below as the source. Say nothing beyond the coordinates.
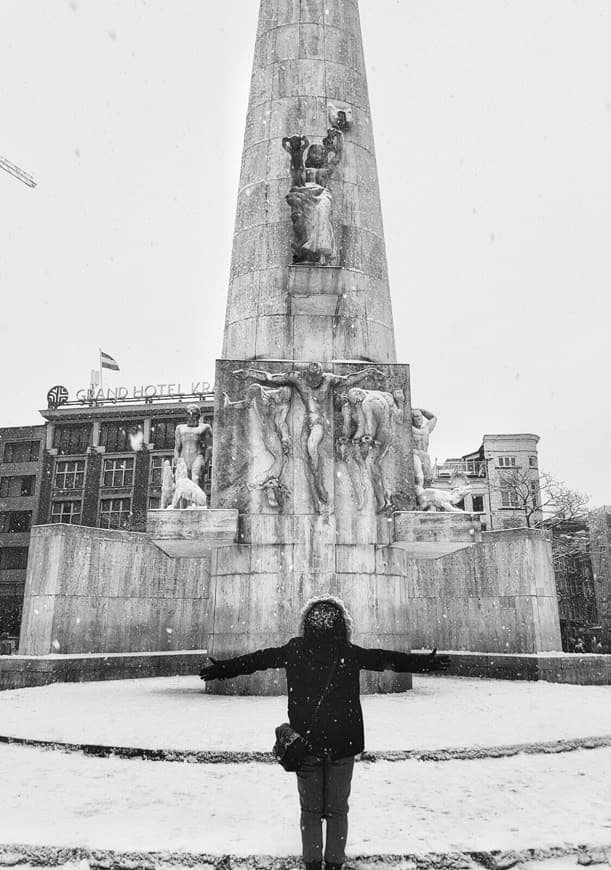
(91, 591)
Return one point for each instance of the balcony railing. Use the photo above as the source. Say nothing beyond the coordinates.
(470, 467)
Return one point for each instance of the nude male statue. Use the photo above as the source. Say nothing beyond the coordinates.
(423, 423)
(193, 444)
(314, 387)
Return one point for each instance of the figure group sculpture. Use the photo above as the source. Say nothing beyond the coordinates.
(314, 387)
(370, 418)
(270, 408)
(309, 198)
(429, 498)
(181, 488)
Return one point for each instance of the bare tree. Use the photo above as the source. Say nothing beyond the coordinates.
(544, 501)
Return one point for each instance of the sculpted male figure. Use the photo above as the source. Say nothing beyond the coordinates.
(314, 387)
(193, 444)
(423, 423)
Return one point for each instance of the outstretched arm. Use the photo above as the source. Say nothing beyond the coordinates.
(357, 377)
(283, 379)
(261, 660)
(392, 660)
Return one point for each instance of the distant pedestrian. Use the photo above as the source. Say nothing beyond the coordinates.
(322, 669)
(580, 646)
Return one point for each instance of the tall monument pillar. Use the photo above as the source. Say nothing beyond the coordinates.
(313, 417)
(308, 79)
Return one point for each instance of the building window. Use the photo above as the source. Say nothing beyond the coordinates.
(21, 451)
(13, 558)
(73, 439)
(16, 487)
(70, 475)
(15, 521)
(506, 461)
(157, 468)
(534, 493)
(115, 436)
(532, 461)
(509, 497)
(154, 503)
(478, 504)
(66, 512)
(162, 433)
(114, 513)
(118, 472)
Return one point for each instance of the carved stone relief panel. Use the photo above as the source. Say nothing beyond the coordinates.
(312, 438)
(373, 440)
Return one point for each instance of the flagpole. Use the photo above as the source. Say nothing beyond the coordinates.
(100, 364)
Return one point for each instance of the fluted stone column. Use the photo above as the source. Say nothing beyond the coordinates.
(308, 58)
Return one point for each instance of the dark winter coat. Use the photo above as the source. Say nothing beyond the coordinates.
(337, 730)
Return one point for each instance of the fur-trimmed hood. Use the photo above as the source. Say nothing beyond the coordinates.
(330, 599)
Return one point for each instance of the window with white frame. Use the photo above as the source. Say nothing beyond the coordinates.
(118, 472)
(69, 474)
(506, 461)
(532, 461)
(66, 512)
(115, 512)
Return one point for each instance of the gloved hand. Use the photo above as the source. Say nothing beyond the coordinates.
(210, 671)
(435, 663)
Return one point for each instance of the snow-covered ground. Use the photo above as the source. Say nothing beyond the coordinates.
(174, 713)
(54, 798)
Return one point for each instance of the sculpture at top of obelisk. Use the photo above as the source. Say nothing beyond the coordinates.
(310, 199)
(308, 274)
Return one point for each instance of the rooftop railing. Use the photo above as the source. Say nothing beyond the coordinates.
(470, 467)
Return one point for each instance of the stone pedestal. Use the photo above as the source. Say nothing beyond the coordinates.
(192, 533)
(431, 534)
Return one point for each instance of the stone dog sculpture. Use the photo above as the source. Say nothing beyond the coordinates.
(441, 499)
(181, 492)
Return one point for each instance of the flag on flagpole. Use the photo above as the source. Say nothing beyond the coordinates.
(107, 362)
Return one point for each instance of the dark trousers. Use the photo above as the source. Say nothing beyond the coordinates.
(324, 788)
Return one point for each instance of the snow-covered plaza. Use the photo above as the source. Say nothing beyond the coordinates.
(459, 766)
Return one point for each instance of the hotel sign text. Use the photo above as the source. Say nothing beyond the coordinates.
(148, 391)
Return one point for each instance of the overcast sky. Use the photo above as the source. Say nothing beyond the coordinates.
(493, 133)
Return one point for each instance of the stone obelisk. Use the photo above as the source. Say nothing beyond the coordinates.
(313, 417)
(308, 68)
